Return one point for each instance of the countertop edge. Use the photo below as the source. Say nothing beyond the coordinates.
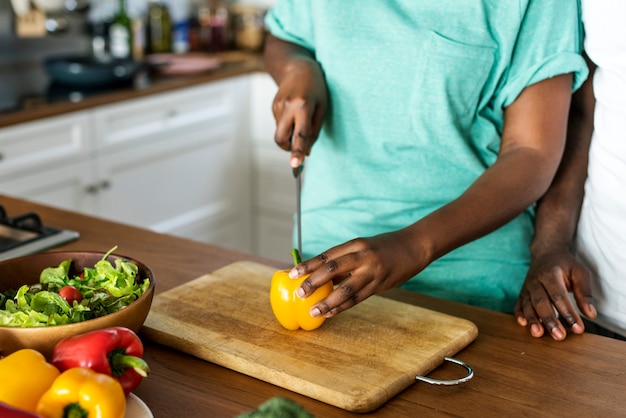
(235, 63)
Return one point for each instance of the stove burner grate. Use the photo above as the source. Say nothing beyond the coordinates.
(26, 234)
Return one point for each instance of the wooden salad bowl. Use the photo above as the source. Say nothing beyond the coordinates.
(18, 271)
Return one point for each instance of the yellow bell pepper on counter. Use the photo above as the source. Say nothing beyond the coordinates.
(79, 393)
(291, 311)
(26, 376)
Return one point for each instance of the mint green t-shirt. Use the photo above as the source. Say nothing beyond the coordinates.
(417, 93)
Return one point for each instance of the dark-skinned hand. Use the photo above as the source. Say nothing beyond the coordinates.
(360, 268)
(299, 107)
(544, 295)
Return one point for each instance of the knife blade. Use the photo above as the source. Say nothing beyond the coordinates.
(297, 173)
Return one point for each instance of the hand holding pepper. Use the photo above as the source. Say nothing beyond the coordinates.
(115, 351)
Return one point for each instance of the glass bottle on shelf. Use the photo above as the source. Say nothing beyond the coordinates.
(158, 28)
(120, 33)
(214, 21)
(179, 13)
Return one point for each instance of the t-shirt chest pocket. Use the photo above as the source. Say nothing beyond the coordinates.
(449, 79)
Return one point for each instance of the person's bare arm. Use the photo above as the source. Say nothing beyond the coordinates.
(532, 144)
(301, 100)
(554, 271)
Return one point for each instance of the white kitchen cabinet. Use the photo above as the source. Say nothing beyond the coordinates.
(273, 184)
(175, 162)
(65, 186)
(178, 187)
(48, 161)
(179, 163)
(36, 146)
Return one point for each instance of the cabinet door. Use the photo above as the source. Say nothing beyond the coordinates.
(191, 178)
(71, 186)
(178, 187)
(48, 161)
(36, 146)
(273, 236)
(273, 185)
(274, 196)
(262, 124)
(162, 117)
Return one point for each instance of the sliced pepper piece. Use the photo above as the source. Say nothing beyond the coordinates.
(26, 376)
(83, 393)
(291, 311)
(115, 351)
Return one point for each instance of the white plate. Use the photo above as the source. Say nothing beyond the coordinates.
(136, 408)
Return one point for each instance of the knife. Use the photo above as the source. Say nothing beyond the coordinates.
(297, 173)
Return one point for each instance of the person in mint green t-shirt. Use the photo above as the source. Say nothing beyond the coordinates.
(432, 127)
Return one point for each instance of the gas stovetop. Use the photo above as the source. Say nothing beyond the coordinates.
(25, 234)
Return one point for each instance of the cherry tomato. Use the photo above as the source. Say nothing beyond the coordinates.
(71, 294)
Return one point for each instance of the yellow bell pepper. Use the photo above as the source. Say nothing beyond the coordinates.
(82, 393)
(26, 376)
(291, 311)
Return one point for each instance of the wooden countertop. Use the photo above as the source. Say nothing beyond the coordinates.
(234, 63)
(515, 374)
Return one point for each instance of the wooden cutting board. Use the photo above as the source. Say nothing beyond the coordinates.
(355, 361)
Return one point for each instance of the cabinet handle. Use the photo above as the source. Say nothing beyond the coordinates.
(1, 156)
(95, 188)
(92, 189)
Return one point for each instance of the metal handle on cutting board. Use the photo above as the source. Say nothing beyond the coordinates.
(470, 374)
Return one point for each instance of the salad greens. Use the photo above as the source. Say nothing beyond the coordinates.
(278, 407)
(105, 289)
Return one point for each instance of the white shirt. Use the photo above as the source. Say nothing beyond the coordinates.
(601, 241)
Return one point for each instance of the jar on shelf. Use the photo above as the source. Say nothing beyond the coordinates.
(248, 27)
(213, 26)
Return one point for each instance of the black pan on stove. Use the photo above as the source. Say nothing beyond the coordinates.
(86, 71)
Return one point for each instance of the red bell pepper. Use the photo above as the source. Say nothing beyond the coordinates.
(115, 351)
(8, 411)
